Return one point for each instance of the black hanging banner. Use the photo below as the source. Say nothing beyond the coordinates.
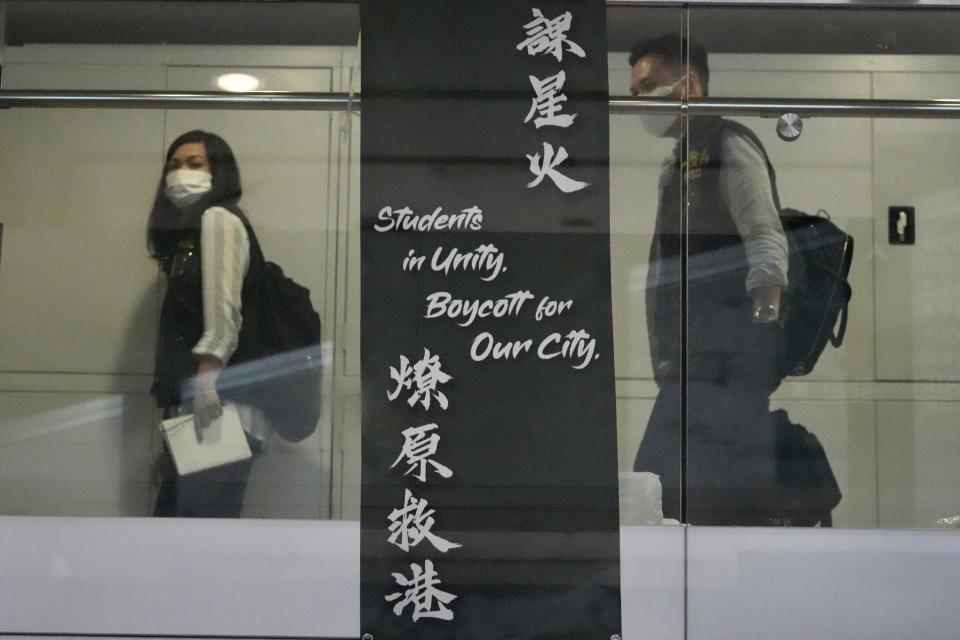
(489, 482)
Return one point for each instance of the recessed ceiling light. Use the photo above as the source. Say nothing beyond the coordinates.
(238, 82)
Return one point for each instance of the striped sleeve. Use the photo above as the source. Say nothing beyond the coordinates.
(225, 254)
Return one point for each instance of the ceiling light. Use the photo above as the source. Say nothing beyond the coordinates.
(238, 82)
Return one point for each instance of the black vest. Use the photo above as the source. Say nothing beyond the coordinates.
(181, 316)
(717, 262)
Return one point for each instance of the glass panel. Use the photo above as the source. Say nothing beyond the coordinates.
(882, 403)
(78, 418)
(643, 276)
(83, 304)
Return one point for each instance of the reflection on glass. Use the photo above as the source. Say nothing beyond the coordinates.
(880, 403)
(81, 306)
(736, 270)
(636, 160)
(78, 424)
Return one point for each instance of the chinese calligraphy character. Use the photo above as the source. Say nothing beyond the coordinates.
(412, 523)
(548, 168)
(423, 378)
(422, 592)
(548, 102)
(550, 36)
(418, 449)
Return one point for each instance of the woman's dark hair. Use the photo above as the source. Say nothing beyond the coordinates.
(669, 48)
(166, 219)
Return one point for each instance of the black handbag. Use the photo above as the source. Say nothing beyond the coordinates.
(807, 491)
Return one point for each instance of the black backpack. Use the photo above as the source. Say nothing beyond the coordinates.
(818, 293)
(286, 379)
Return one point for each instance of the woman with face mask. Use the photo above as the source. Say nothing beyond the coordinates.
(202, 242)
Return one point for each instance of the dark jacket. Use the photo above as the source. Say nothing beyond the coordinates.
(181, 315)
(717, 267)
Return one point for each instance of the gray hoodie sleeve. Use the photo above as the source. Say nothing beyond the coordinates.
(745, 186)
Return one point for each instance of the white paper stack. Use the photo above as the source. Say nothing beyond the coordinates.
(222, 442)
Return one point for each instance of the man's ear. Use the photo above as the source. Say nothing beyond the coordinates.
(692, 87)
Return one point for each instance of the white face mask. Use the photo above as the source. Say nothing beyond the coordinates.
(186, 186)
(658, 124)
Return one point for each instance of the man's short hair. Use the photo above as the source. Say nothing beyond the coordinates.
(668, 48)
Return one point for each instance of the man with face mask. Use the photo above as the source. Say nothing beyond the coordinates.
(736, 257)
